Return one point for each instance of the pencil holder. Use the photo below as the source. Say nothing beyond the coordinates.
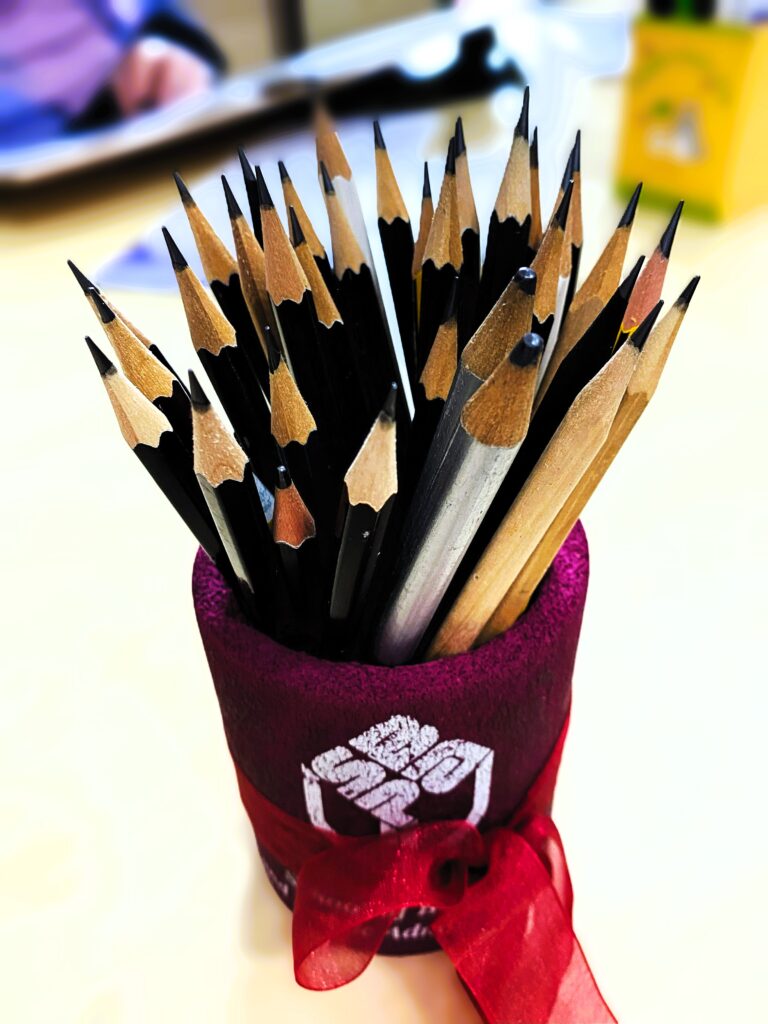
(364, 749)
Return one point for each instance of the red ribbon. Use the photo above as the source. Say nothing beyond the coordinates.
(508, 933)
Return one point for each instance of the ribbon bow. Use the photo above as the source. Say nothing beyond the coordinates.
(503, 901)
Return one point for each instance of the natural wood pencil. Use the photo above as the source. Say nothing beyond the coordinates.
(535, 234)
(576, 442)
(641, 388)
(296, 541)
(592, 296)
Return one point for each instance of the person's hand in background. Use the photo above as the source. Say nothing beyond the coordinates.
(156, 71)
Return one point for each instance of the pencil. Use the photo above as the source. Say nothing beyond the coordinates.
(551, 286)
(152, 440)
(442, 259)
(425, 225)
(647, 291)
(370, 488)
(295, 537)
(444, 518)
(398, 247)
(316, 247)
(252, 194)
(253, 276)
(535, 234)
(469, 233)
(227, 367)
(508, 246)
(339, 372)
(223, 277)
(229, 487)
(360, 308)
(640, 390)
(570, 260)
(576, 442)
(592, 296)
(87, 286)
(289, 291)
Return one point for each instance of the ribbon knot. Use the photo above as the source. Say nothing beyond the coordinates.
(503, 904)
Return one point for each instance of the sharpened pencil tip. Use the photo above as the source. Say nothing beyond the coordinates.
(103, 365)
(245, 165)
(535, 149)
(565, 204)
(576, 153)
(297, 235)
(426, 189)
(327, 183)
(639, 336)
(106, 314)
(274, 352)
(525, 279)
(461, 143)
(521, 128)
(265, 199)
(665, 245)
(629, 214)
(450, 160)
(626, 286)
(687, 293)
(233, 208)
(197, 396)
(177, 260)
(80, 277)
(184, 193)
(378, 138)
(528, 350)
(282, 477)
(568, 172)
(284, 175)
(390, 403)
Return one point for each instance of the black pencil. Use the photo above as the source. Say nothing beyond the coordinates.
(150, 436)
(358, 302)
(442, 260)
(227, 367)
(369, 495)
(508, 245)
(339, 368)
(316, 247)
(469, 233)
(289, 291)
(223, 277)
(397, 244)
(229, 487)
(296, 541)
(88, 286)
(148, 374)
(252, 194)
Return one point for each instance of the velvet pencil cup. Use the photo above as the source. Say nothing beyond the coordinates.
(361, 749)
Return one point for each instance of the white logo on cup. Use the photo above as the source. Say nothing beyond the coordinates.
(402, 760)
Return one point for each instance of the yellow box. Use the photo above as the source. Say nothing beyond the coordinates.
(695, 123)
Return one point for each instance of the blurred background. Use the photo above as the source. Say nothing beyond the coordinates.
(129, 888)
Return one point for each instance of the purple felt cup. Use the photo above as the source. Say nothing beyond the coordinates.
(361, 749)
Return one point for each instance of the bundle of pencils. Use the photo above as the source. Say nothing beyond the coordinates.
(345, 524)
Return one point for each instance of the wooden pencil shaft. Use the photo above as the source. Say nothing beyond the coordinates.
(553, 331)
(568, 455)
